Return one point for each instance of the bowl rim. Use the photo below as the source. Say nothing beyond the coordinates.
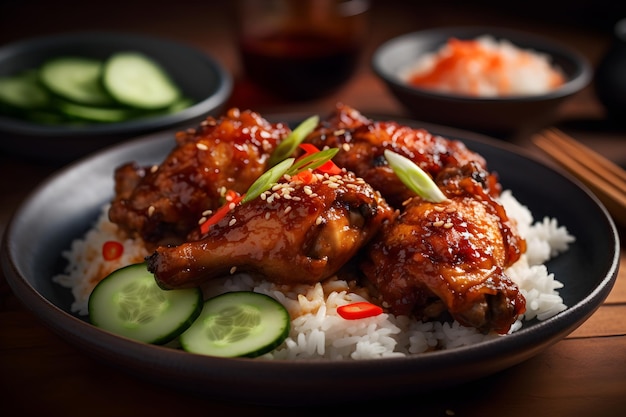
(223, 86)
(580, 78)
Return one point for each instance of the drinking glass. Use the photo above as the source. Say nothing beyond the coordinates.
(301, 49)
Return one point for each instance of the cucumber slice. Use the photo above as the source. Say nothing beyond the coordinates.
(95, 114)
(23, 91)
(137, 81)
(239, 323)
(76, 79)
(130, 303)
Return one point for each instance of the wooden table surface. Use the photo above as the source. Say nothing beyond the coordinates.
(41, 374)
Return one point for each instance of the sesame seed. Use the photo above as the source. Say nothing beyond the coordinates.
(202, 146)
(438, 223)
(345, 147)
(154, 168)
(151, 210)
(232, 222)
(287, 209)
(267, 215)
(233, 270)
(447, 225)
(202, 220)
(319, 220)
(439, 208)
(207, 212)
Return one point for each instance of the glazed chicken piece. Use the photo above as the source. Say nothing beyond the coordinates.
(298, 232)
(362, 143)
(449, 257)
(163, 203)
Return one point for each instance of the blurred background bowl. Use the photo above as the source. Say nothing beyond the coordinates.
(493, 115)
(198, 75)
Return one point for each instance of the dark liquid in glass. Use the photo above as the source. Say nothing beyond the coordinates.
(299, 66)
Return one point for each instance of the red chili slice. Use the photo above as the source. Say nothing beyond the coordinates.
(359, 310)
(231, 198)
(306, 176)
(112, 250)
(328, 167)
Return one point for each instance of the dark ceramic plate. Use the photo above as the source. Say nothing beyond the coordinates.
(65, 206)
(199, 75)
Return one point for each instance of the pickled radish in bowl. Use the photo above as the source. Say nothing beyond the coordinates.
(484, 67)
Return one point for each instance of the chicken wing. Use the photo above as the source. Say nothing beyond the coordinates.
(297, 232)
(449, 258)
(362, 143)
(162, 204)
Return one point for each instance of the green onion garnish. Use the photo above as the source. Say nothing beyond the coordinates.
(414, 177)
(287, 147)
(313, 161)
(267, 180)
(272, 175)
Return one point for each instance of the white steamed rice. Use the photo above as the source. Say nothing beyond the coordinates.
(317, 331)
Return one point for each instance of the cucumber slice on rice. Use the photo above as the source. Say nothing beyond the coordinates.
(235, 324)
(129, 303)
(136, 80)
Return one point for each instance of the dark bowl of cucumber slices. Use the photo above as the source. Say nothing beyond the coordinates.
(64, 96)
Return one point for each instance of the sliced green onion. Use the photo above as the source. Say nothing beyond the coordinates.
(313, 161)
(272, 175)
(414, 177)
(287, 147)
(267, 180)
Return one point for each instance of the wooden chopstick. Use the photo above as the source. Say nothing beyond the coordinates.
(603, 177)
(602, 166)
